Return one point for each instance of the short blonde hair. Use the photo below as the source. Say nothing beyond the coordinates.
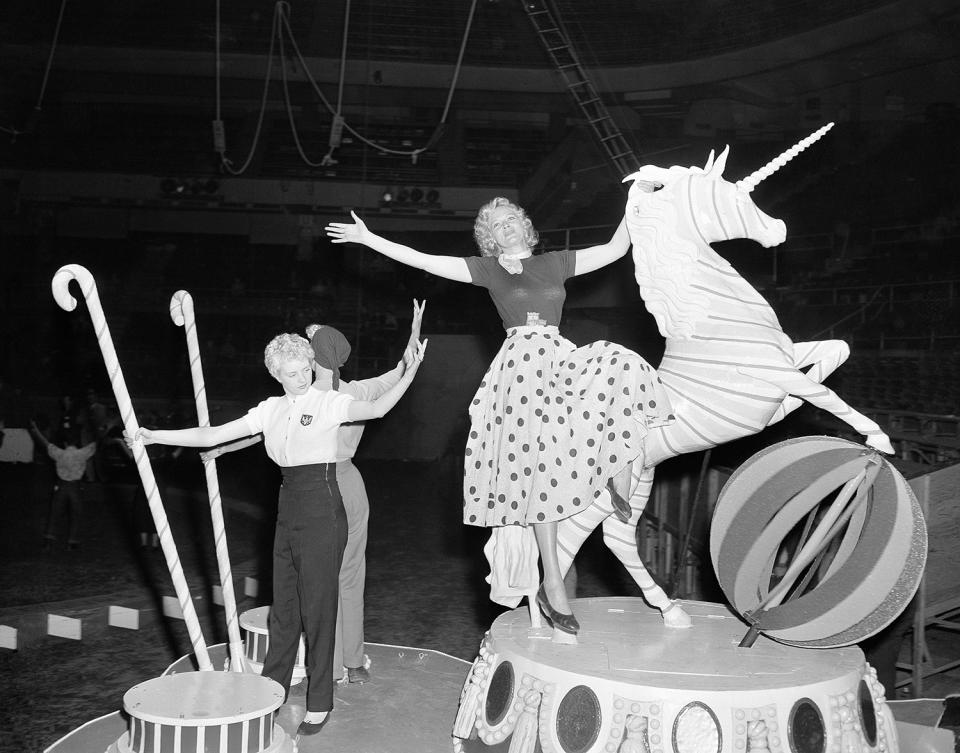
(283, 348)
(481, 227)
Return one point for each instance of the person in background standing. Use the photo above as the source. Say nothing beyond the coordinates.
(71, 462)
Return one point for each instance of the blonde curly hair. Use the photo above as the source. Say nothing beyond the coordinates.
(283, 348)
(481, 227)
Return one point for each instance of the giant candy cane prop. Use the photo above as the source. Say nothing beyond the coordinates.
(181, 311)
(67, 302)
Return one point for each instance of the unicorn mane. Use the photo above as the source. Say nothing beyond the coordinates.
(665, 264)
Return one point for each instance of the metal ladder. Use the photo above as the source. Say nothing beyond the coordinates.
(620, 154)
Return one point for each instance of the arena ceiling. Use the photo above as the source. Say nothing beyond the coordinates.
(134, 86)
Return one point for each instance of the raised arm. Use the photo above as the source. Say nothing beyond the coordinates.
(198, 436)
(418, 309)
(38, 435)
(373, 387)
(595, 257)
(450, 267)
(361, 410)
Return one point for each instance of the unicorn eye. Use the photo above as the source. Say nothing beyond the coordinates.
(647, 186)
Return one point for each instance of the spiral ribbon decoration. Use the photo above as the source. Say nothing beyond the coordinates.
(182, 313)
(66, 301)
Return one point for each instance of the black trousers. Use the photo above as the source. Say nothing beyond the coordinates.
(66, 498)
(307, 552)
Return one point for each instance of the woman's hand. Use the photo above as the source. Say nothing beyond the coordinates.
(142, 435)
(418, 309)
(415, 358)
(344, 232)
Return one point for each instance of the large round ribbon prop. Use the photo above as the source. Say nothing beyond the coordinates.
(848, 523)
(182, 313)
(67, 302)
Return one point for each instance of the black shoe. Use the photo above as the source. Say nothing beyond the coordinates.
(309, 728)
(565, 622)
(621, 507)
(358, 675)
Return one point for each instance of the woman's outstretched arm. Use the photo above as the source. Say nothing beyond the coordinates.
(223, 449)
(198, 436)
(361, 410)
(595, 257)
(450, 267)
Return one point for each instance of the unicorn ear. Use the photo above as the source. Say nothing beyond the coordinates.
(707, 167)
(721, 162)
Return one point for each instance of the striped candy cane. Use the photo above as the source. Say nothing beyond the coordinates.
(67, 302)
(181, 311)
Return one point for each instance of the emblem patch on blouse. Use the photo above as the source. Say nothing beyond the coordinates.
(305, 419)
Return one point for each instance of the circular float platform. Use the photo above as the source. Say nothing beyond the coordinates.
(666, 690)
(204, 711)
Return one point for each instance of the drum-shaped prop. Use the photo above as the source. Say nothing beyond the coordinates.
(818, 542)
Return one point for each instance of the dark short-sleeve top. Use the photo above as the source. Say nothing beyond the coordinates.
(539, 287)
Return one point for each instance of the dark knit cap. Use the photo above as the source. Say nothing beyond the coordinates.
(330, 350)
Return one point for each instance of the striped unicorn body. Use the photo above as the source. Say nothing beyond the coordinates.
(728, 367)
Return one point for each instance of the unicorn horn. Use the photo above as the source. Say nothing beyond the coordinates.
(751, 181)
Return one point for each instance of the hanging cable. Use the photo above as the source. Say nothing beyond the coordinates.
(336, 127)
(31, 121)
(286, 96)
(386, 150)
(219, 136)
(456, 74)
(281, 25)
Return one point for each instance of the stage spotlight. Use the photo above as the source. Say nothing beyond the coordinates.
(433, 196)
(387, 196)
(416, 195)
(403, 195)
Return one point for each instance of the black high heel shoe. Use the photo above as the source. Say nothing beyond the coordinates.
(565, 622)
(621, 507)
(311, 728)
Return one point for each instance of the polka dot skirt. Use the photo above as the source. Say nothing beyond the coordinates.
(552, 423)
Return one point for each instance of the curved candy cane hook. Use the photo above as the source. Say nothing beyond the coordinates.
(61, 281)
(66, 301)
(181, 311)
(180, 301)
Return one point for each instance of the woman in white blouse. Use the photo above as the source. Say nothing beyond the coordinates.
(300, 435)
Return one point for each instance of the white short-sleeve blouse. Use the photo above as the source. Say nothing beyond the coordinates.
(300, 430)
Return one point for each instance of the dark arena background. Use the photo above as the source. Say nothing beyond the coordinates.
(205, 146)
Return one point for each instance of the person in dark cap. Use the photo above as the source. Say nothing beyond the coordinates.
(299, 431)
(331, 350)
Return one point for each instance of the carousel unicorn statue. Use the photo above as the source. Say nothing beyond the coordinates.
(728, 367)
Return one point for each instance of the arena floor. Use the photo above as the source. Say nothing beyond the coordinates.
(425, 583)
